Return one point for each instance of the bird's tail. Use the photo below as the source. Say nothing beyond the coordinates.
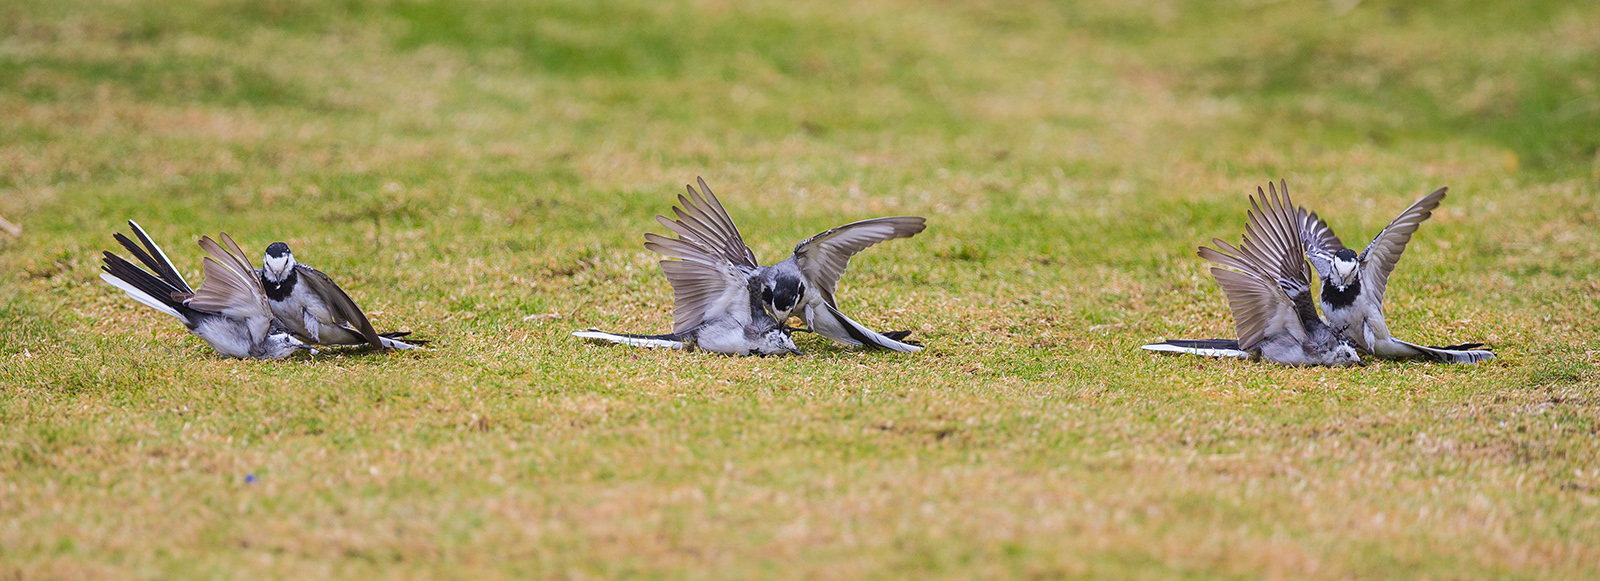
(669, 341)
(1463, 353)
(392, 341)
(830, 323)
(1201, 347)
(153, 258)
(142, 286)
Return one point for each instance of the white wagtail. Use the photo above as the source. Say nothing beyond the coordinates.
(230, 310)
(716, 303)
(803, 285)
(316, 310)
(1268, 285)
(1353, 285)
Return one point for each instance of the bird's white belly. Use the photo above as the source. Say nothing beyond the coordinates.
(229, 337)
(822, 322)
(291, 313)
(724, 336)
(1285, 350)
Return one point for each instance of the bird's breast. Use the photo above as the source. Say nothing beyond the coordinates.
(1340, 297)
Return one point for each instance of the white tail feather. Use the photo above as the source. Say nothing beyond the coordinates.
(141, 296)
(1470, 356)
(397, 344)
(1165, 348)
(626, 340)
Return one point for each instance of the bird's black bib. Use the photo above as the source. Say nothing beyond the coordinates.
(1340, 299)
(277, 291)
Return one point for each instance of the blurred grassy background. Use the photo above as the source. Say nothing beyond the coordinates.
(481, 173)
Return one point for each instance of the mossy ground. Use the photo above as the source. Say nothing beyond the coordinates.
(481, 173)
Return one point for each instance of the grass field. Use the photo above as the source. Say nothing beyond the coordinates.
(482, 173)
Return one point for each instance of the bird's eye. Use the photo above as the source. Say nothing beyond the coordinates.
(766, 294)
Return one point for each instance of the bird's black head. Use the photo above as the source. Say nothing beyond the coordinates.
(785, 291)
(278, 266)
(1345, 254)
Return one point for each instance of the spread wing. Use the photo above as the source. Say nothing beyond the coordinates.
(704, 284)
(823, 258)
(1381, 256)
(232, 256)
(238, 254)
(702, 220)
(1319, 240)
(230, 291)
(342, 307)
(708, 263)
(1266, 279)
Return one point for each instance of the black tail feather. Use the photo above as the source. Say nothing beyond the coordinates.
(400, 335)
(163, 269)
(1204, 343)
(140, 279)
(901, 337)
(665, 337)
(1461, 347)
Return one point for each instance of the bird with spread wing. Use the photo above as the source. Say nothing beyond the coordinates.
(229, 311)
(1353, 285)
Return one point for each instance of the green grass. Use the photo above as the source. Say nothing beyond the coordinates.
(482, 173)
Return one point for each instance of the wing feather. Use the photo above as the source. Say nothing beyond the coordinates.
(708, 263)
(702, 290)
(1266, 278)
(232, 289)
(345, 311)
(823, 258)
(235, 262)
(238, 253)
(702, 220)
(1320, 241)
(1381, 256)
(227, 292)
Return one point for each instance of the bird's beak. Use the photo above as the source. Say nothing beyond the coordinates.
(796, 352)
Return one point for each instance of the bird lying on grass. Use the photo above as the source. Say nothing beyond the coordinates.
(725, 301)
(229, 312)
(1268, 286)
(713, 264)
